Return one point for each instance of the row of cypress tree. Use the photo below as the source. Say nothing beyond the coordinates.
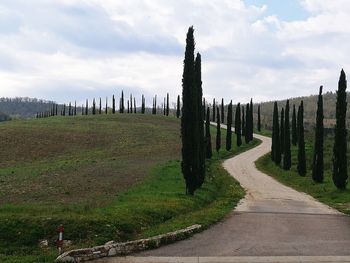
(280, 149)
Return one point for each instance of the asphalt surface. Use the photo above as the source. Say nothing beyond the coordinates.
(272, 220)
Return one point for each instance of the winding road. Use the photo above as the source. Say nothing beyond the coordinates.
(273, 223)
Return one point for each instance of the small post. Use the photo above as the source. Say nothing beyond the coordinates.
(60, 231)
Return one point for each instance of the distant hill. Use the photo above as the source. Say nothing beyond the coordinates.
(310, 107)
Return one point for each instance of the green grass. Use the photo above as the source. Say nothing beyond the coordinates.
(150, 203)
(325, 192)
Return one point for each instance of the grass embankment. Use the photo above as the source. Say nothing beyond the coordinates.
(325, 192)
(103, 177)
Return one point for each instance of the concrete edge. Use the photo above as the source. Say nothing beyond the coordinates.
(112, 248)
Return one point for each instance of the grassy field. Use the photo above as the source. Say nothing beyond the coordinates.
(105, 178)
(326, 192)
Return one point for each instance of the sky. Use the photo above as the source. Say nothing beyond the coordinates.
(66, 50)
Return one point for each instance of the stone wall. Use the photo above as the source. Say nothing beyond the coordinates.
(112, 248)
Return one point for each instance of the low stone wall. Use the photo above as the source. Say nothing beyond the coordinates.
(112, 248)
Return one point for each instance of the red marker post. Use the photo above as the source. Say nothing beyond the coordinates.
(60, 231)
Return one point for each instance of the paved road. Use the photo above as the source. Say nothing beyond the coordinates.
(272, 220)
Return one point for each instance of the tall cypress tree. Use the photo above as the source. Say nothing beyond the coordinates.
(259, 120)
(64, 109)
(317, 162)
(69, 109)
(276, 146)
(251, 120)
(199, 121)
(167, 104)
(340, 172)
(143, 105)
(214, 108)
(113, 105)
(155, 104)
(208, 151)
(93, 107)
(218, 131)
(121, 106)
(134, 105)
(238, 125)
(164, 107)
(243, 122)
(294, 127)
(106, 108)
(222, 111)
(100, 108)
(247, 124)
(187, 118)
(287, 162)
(131, 106)
(229, 127)
(82, 109)
(87, 107)
(178, 107)
(282, 132)
(301, 167)
(128, 107)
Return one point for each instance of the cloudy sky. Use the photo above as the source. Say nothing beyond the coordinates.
(67, 50)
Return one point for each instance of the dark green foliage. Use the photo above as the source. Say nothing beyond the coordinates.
(131, 106)
(87, 107)
(121, 104)
(167, 104)
(218, 131)
(214, 108)
(222, 111)
(229, 127)
(282, 131)
(191, 118)
(259, 119)
(69, 109)
(100, 107)
(106, 108)
(75, 108)
(178, 109)
(243, 122)
(287, 159)
(64, 110)
(247, 124)
(317, 161)
(134, 105)
(238, 125)
(301, 166)
(82, 109)
(128, 107)
(208, 151)
(93, 107)
(294, 127)
(164, 107)
(113, 105)
(143, 107)
(340, 173)
(276, 147)
(251, 121)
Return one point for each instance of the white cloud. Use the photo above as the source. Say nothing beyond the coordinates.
(73, 49)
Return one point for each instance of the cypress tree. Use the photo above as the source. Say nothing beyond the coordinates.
(222, 111)
(64, 109)
(301, 167)
(208, 151)
(276, 146)
(238, 125)
(247, 124)
(218, 131)
(56, 109)
(113, 105)
(229, 127)
(131, 106)
(340, 173)
(167, 104)
(199, 136)
(282, 131)
(93, 107)
(287, 162)
(214, 108)
(243, 122)
(106, 108)
(155, 104)
(178, 107)
(251, 121)
(317, 162)
(134, 105)
(294, 127)
(236, 119)
(75, 108)
(187, 118)
(164, 107)
(82, 109)
(69, 109)
(128, 106)
(259, 119)
(121, 106)
(100, 108)
(87, 107)
(143, 105)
